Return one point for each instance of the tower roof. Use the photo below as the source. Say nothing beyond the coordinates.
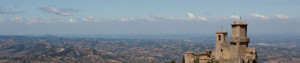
(206, 50)
(189, 52)
(218, 32)
(239, 23)
(205, 58)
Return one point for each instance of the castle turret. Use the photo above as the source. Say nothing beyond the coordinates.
(221, 39)
(235, 52)
(239, 34)
(189, 57)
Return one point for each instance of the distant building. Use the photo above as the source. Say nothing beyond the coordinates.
(235, 52)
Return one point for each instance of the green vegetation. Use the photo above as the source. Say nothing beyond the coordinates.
(183, 60)
(173, 61)
(196, 60)
(251, 52)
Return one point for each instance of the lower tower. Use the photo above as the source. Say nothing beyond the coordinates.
(221, 39)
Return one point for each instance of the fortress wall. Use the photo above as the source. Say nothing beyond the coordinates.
(203, 61)
(242, 51)
(234, 60)
(226, 51)
(233, 51)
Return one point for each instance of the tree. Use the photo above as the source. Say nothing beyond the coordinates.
(212, 61)
(183, 60)
(217, 62)
(196, 60)
(172, 61)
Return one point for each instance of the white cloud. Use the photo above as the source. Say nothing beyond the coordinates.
(234, 16)
(71, 21)
(88, 19)
(171, 18)
(65, 14)
(69, 10)
(33, 20)
(227, 18)
(191, 16)
(148, 19)
(62, 11)
(281, 16)
(38, 20)
(9, 11)
(17, 19)
(202, 18)
(46, 20)
(132, 18)
(124, 19)
(258, 16)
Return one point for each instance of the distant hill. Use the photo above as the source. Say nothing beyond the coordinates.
(48, 36)
(48, 48)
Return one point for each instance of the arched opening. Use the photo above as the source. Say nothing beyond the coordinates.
(221, 50)
(219, 36)
(224, 38)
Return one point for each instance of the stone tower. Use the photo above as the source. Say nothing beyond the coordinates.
(239, 34)
(189, 57)
(239, 40)
(221, 39)
(235, 52)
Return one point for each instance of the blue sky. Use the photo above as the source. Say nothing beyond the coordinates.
(28, 17)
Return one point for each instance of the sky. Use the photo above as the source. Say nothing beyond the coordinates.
(33, 17)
